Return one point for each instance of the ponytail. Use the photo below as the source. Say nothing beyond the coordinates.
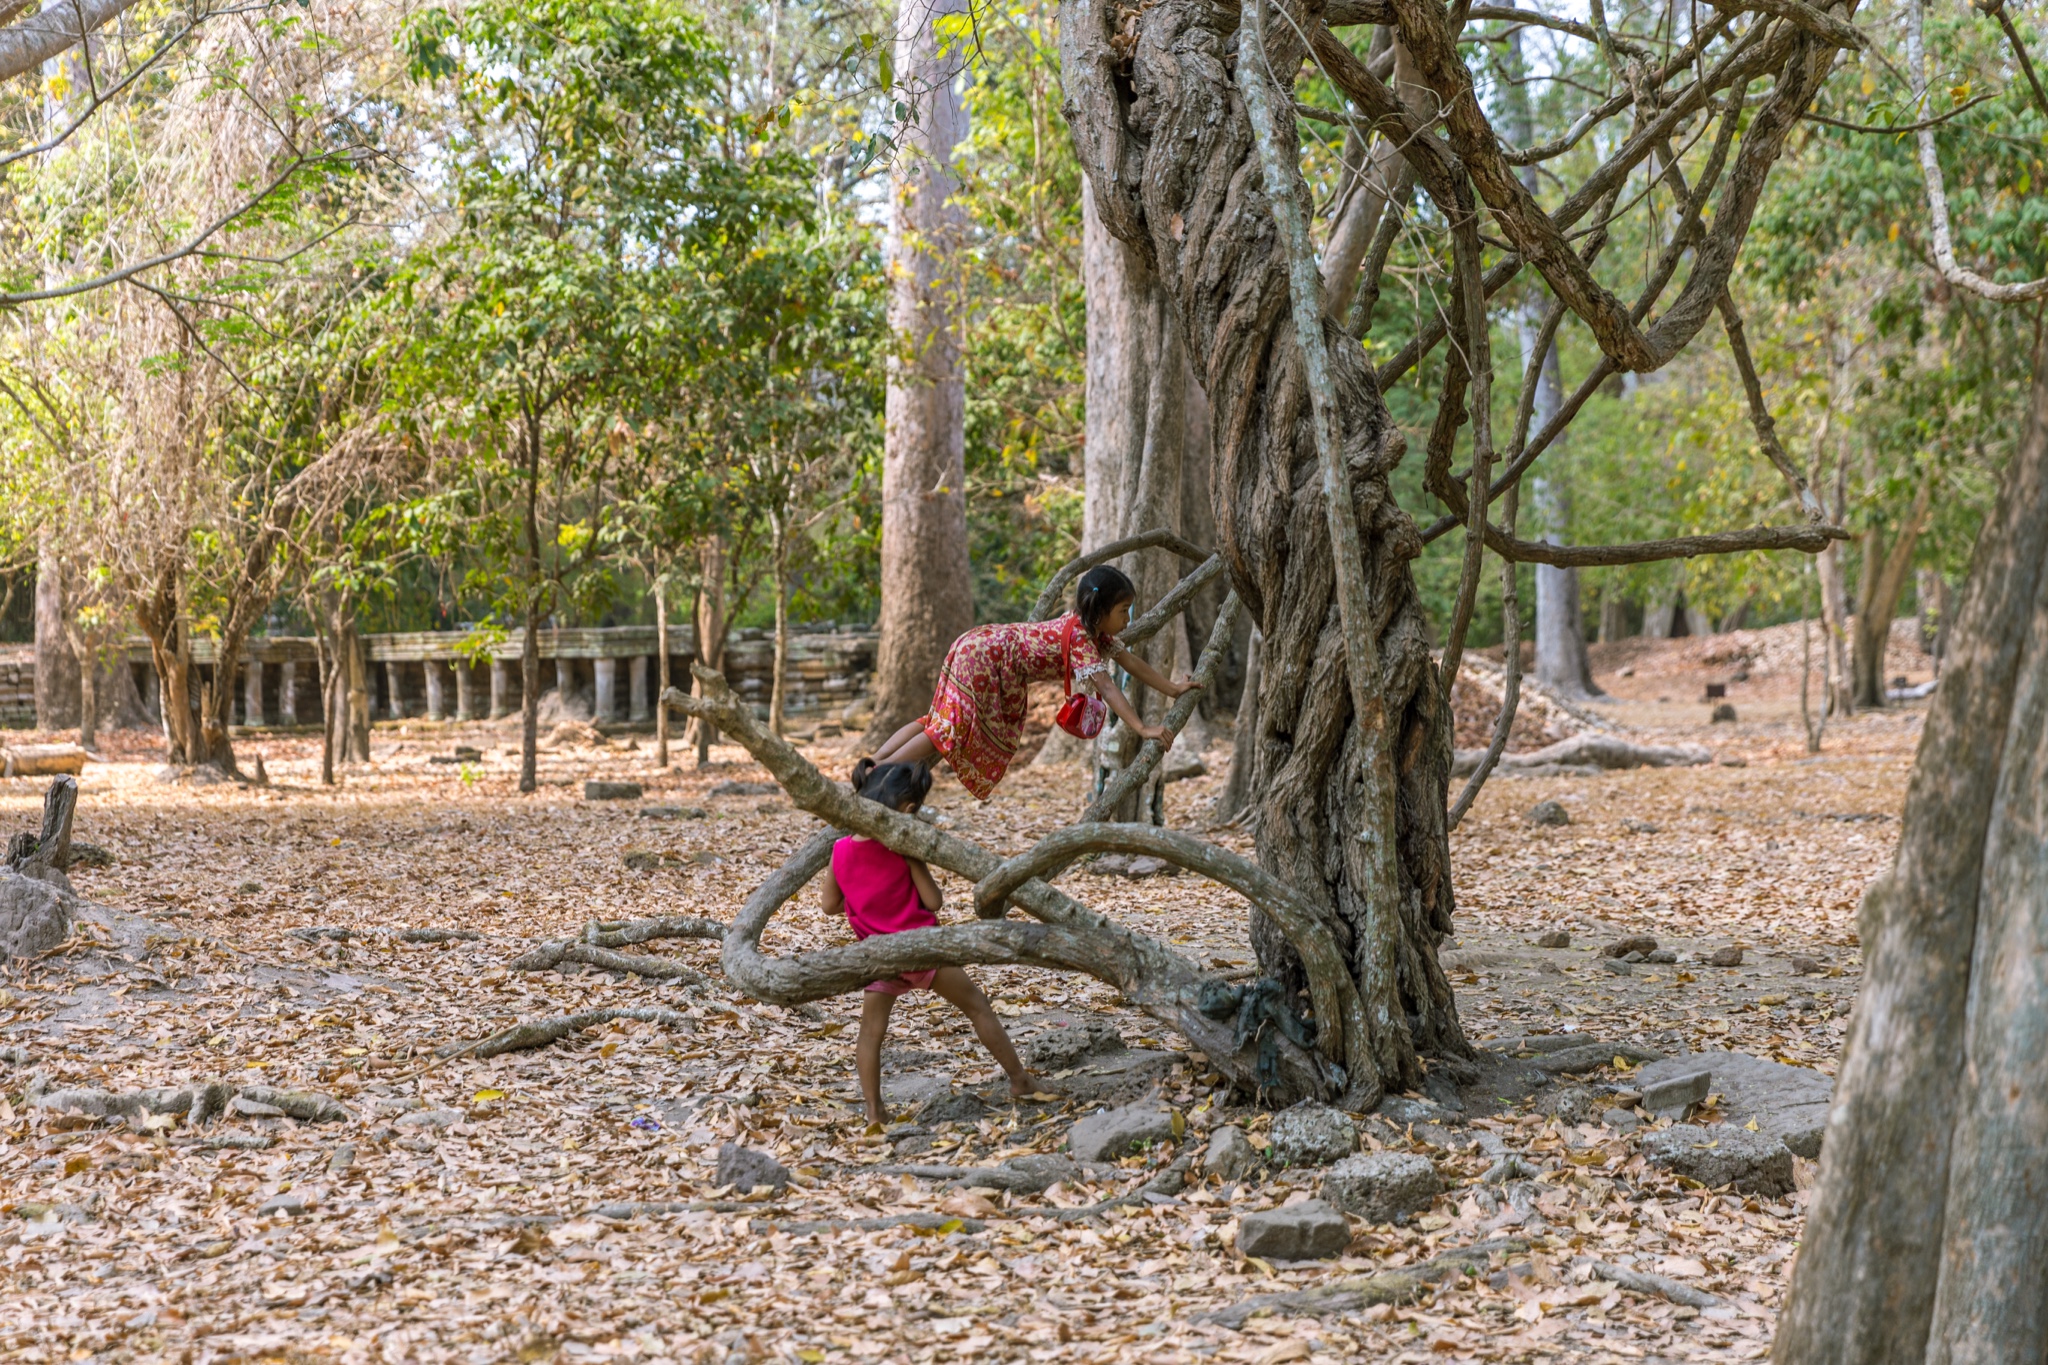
(891, 784)
(1101, 591)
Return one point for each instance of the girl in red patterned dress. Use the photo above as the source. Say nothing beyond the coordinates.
(978, 707)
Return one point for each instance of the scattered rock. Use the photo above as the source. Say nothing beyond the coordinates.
(745, 789)
(652, 860)
(1119, 1132)
(1621, 1120)
(1640, 943)
(1312, 1135)
(1789, 1103)
(1672, 1096)
(344, 1158)
(951, 1106)
(1725, 957)
(1549, 813)
(1617, 966)
(1056, 1042)
(744, 1168)
(671, 812)
(598, 790)
(1725, 1154)
(1641, 827)
(1152, 867)
(1230, 1155)
(290, 1205)
(35, 916)
(1556, 938)
(1660, 956)
(1308, 1231)
(1725, 712)
(1801, 966)
(247, 1108)
(1401, 1111)
(89, 855)
(1382, 1187)
(428, 1118)
(1033, 1174)
(1569, 1103)
(1549, 968)
(1633, 958)
(1734, 760)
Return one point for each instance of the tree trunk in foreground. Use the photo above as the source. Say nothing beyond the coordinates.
(1167, 145)
(661, 666)
(1929, 1234)
(927, 583)
(708, 626)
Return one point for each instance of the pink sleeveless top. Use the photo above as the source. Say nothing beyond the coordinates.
(880, 896)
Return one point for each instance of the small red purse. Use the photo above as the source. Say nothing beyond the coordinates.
(1081, 714)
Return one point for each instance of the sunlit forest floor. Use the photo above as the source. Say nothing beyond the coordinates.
(501, 1224)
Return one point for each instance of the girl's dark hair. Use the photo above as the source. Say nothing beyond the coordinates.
(1100, 592)
(891, 784)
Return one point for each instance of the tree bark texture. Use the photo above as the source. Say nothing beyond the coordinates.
(1168, 148)
(927, 582)
(1885, 567)
(661, 665)
(56, 666)
(1929, 1235)
(709, 624)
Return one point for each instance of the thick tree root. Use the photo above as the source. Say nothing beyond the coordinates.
(1070, 937)
(1656, 1284)
(541, 1032)
(1592, 751)
(312, 933)
(624, 933)
(1362, 1291)
(198, 1104)
(543, 956)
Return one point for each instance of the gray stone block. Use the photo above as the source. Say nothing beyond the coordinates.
(744, 1168)
(1230, 1154)
(1308, 1231)
(597, 790)
(1120, 1132)
(1312, 1135)
(1672, 1096)
(428, 1118)
(1722, 1155)
(1549, 813)
(1383, 1186)
(34, 915)
(1789, 1103)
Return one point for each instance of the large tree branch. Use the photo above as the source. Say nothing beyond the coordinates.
(1070, 937)
(51, 32)
(1158, 537)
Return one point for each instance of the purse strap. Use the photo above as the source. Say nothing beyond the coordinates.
(1067, 654)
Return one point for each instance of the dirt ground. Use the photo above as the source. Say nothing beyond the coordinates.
(502, 1226)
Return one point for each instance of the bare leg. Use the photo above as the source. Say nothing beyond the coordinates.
(956, 986)
(867, 1052)
(908, 745)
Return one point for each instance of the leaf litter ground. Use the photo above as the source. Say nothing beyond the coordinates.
(479, 1210)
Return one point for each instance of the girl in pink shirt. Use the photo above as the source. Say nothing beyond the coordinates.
(883, 892)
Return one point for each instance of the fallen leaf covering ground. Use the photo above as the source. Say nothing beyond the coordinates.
(475, 1210)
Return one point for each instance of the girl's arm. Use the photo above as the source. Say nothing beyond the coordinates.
(928, 893)
(1106, 688)
(1150, 676)
(831, 895)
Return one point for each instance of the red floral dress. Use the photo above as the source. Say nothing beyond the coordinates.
(978, 708)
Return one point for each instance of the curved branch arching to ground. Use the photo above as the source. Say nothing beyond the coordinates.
(1068, 937)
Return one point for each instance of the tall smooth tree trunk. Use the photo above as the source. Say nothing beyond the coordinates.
(661, 670)
(710, 625)
(1884, 579)
(1145, 423)
(778, 695)
(56, 683)
(927, 582)
(529, 647)
(1163, 134)
(1927, 1238)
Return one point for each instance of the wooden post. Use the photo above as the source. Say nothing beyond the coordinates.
(287, 688)
(501, 689)
(465, 690)
(252, 693)
(636, 688)
(437, 700)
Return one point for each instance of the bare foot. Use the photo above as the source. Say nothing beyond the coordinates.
(1031, 1087)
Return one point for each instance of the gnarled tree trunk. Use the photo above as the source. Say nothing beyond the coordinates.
(1168, 147)
(1927, 1238)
